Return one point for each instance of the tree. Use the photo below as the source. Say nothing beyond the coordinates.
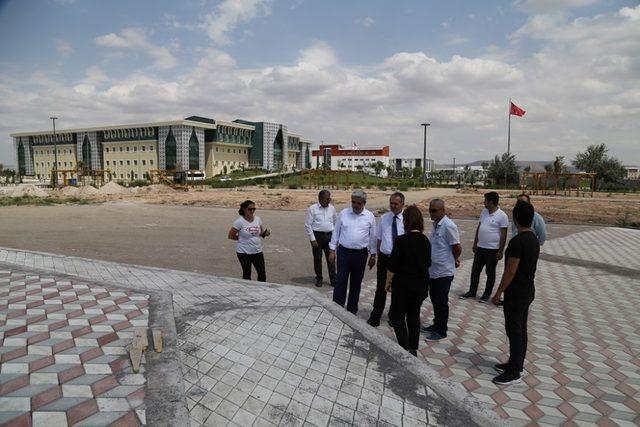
(595, 160)
(378, 167)
(503, 167)
(558, 167)
(417, 172)
(548, 168)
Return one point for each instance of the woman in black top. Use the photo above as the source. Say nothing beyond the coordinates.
(407, 279)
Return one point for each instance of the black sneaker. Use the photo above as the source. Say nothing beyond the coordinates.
(434, 336)
(467, 295)
(318, 283)
(501, 367)
(370, 322)
(427, 329)
(485, 298)
(507, 378)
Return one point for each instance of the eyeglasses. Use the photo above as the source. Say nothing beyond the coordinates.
(433, 210)
(251, 209)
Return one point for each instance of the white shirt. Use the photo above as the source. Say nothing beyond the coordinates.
(355, 231)
(444, 234)
(319, 219)
(490, 226)
(384, 231)
(248, 235)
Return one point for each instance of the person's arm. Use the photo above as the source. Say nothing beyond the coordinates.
(335, 238)
(308, 222)
(453, 239)
(503, 241)
(373, 242)
(507, 278)
(540, 229)
(392, 265)
(233, 234)
(475, 240)
(456, 250)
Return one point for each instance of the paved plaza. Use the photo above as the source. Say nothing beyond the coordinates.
(256, 354)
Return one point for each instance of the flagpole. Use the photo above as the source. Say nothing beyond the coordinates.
(508, 144)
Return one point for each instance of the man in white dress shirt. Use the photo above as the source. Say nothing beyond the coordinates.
(353, 239)
(319, 224)
(390, 227)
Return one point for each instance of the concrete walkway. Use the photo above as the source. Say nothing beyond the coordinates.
(256, 354)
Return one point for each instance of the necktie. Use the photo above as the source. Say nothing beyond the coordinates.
(394, 228)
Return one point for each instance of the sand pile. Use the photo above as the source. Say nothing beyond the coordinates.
(70, 191)
(28, 190)
(87, 190)
(111, 188)
(159, 189)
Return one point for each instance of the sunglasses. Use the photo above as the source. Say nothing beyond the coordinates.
(251, 209)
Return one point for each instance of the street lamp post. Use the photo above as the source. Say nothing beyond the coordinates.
(55, 152)
(454, 169)
(424, 155)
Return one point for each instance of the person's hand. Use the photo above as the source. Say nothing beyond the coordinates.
(314, 243)
(458, 263)
(372, 261)
(387, 287)
(474, 248)
(495, 300)
(499, 255)
(332, 256)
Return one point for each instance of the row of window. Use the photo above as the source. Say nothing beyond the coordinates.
(135, 163)
(240, 150)
(60, 152)
(127, 148)
(60, 164)
(228, 162)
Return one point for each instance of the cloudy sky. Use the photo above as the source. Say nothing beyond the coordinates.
(364, 71)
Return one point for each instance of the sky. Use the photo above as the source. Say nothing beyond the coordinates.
(363, 71)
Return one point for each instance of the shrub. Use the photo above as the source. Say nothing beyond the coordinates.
(293, 186)
(139, 183)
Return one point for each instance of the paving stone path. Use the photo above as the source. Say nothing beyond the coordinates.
(268, 354)
(255, 354)
(583, 360)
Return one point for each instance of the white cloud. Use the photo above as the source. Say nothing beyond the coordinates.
(550, 6)
(64, 48)
(366, 22)
(136, 39)
(229, 14)
(579, 87)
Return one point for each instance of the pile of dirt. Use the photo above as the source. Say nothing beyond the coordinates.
(112, 188)
(28, 190)
(159, 189)
(87, 190)
(70, 191)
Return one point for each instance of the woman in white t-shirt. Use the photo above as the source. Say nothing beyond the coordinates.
(248, 230)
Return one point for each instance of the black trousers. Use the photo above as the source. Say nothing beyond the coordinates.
(439, 293)
(351, 265)
(258, 262)
(405, 315)
(323, 239)
(516, 312)
(380, 298)
(481, 259)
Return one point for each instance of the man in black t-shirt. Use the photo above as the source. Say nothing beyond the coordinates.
(519, 291)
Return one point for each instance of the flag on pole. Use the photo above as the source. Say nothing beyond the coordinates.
(516, 111)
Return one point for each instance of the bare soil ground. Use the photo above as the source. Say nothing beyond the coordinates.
(607, 209)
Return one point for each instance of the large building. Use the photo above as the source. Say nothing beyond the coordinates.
(356, 158)
(132, 151)
(410, 163)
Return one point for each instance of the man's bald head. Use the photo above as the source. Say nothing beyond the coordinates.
(436, 209)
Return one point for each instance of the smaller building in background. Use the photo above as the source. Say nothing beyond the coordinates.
(411, 163)
(372, 159)
(633, 173)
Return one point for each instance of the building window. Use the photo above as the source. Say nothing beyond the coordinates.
(144, 147)
(128, 162)
(121, 163)
(151, 162)
(121, 149)
(127, 148)
(106, 149)
(108, 165)
(144, 162)
(135, 163)
(151, 148)
(135, 148)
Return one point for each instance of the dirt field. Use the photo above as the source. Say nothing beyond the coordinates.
(601, 209)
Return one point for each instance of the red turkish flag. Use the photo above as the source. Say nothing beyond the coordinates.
(516, 111)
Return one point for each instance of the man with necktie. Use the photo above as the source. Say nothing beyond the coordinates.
(391, 226)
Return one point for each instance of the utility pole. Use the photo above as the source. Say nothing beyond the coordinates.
(424, 155)
(454, 169)
(54, 184)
